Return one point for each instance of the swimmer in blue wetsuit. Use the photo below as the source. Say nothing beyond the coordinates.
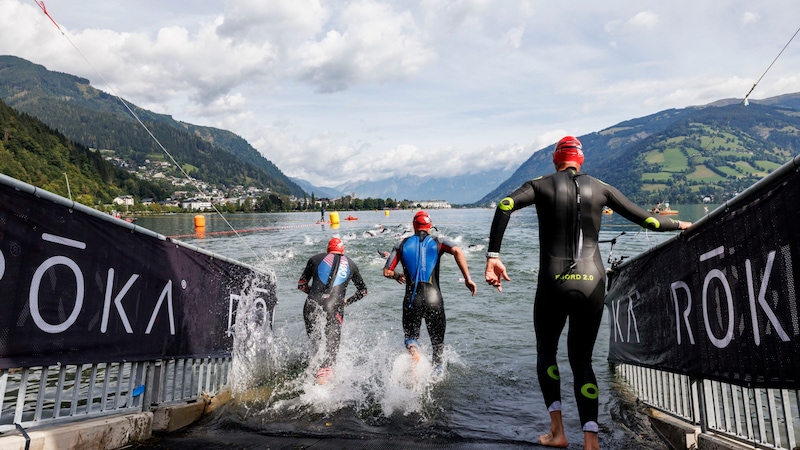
(420, 255)
(329, 273)
(571, 282)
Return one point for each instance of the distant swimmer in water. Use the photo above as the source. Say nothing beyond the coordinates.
(571, 281)
(420, 255)
(328, 274)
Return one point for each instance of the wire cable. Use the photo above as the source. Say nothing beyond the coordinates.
(194, 182)
(745, 100)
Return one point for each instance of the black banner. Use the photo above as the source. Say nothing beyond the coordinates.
(720, 300)
(79, 286)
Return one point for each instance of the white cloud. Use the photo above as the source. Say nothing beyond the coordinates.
(374, 44)
(337, 90)
(750, 17)
(513, 37)
(644, 19)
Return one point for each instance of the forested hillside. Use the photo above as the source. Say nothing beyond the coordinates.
(98, 120)
(32, 152)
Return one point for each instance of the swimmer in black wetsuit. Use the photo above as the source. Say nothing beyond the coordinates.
(420, 255)
(571, 280)
(329, 274)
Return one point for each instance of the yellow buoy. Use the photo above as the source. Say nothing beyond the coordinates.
(386, 213)
(334, 215)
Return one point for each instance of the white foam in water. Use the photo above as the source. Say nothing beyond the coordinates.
(370, 369)
(252, 336)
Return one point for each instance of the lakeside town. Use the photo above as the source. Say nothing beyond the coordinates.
(193, 195)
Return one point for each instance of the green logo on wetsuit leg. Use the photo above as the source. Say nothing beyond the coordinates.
(653, 222)
(590, 391)
(552, 372)
(507, 204)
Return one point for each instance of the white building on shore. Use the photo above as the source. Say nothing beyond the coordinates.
(432, 204)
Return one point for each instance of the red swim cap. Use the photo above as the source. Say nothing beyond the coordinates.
(335, 245)
(568, 149)
(422, 221)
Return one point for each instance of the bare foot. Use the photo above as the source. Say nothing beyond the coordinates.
(590, 441)
(556, 436)
(413, 351)
(552, 440)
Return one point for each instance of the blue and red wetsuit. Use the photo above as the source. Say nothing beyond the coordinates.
(420, 256)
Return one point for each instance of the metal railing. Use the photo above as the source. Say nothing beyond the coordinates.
(761, 417)
(35, 396)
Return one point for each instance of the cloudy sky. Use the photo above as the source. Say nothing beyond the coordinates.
(338, 90)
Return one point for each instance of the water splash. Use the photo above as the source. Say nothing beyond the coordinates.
(373, 375)
(252, 333)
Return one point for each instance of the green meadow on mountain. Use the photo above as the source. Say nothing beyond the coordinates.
(679, 155)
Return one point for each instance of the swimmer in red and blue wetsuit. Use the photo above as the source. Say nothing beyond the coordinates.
(329, 274)
(420, 255)
(571, 280)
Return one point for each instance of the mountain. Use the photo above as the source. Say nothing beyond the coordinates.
(683, 155)
(677, 155)
(318, 191)
(98, 120)
(32, 152)
(460, 189)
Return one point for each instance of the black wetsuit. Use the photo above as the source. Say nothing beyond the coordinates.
(329, 274)
(571, 276)
(420, 256)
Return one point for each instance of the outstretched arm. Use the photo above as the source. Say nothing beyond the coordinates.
(629, 210)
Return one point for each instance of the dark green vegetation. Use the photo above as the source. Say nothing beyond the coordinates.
(32, 152)
(683, 155)
(98, 120)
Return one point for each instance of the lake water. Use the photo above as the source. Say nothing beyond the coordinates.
(489, 395)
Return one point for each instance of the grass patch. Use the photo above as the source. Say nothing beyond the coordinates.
(653, 187)
(654, 157)
(703, 173)
(656, 176)
(675, 160)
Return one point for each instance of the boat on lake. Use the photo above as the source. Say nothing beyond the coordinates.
(663, 209)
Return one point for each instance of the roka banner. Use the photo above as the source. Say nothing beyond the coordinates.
(720, 300)
(78, 286)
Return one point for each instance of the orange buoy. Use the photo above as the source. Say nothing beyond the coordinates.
(199, 221)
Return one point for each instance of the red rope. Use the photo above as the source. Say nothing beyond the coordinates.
(247, 230)
(44, 10)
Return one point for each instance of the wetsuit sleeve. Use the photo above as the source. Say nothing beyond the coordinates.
(305, 277)
(522, 197)
(361, 287)
(629, 210)
(393, 258)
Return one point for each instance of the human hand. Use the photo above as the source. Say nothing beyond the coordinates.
(683, 225)
(495, 273)
(471, 285)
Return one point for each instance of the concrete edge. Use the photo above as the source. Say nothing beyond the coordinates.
(172, 417)
(677, 433)
(717, 442)
(100, 433)
(115, 431)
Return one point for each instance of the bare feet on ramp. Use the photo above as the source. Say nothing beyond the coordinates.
(551, 440)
